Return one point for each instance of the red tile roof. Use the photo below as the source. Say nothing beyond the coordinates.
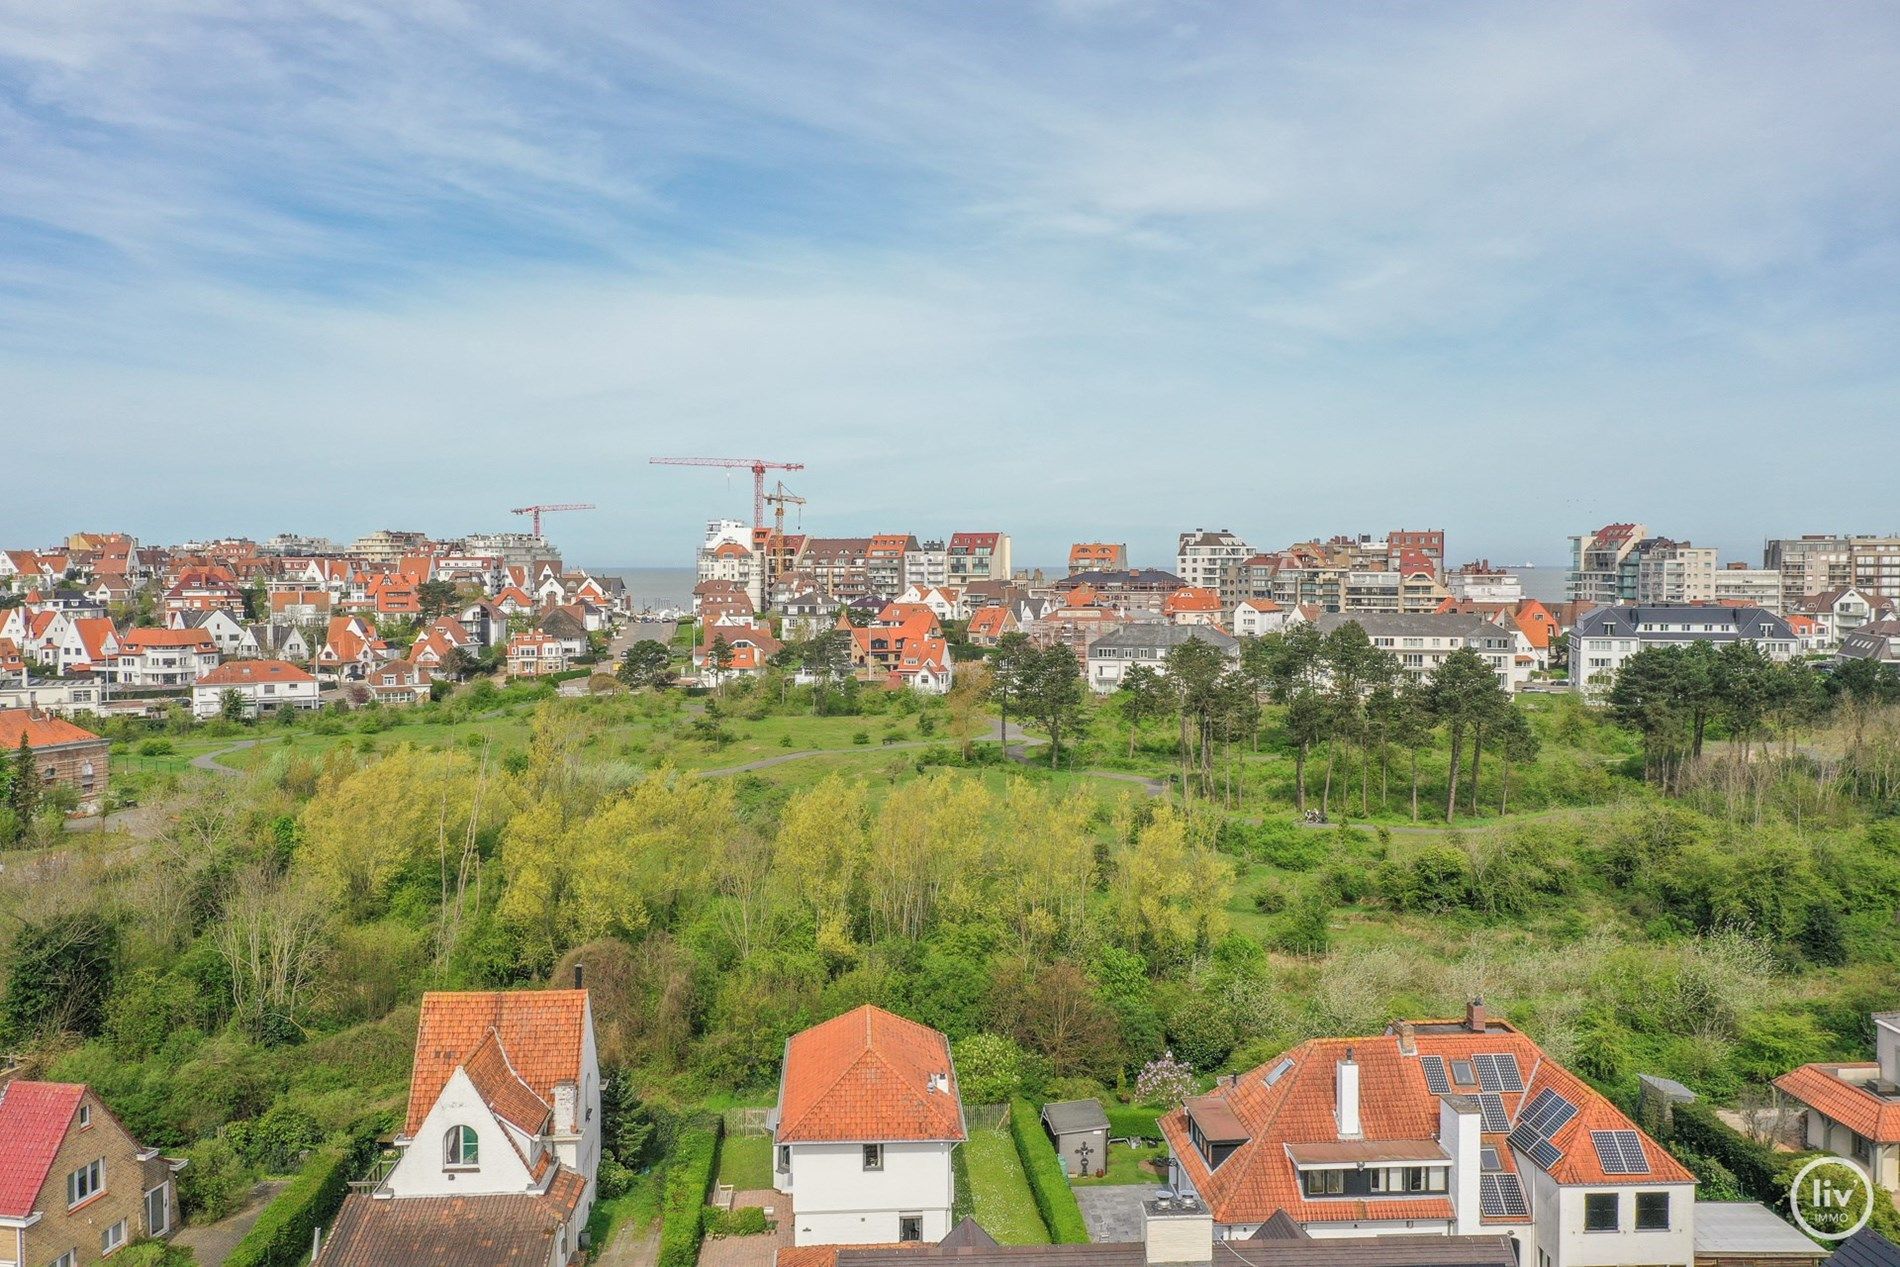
(498, 1229)
(1822, 1088)
(541, 1031)
(34, 1117)
(41, 730)
(252, 672)
(866, 1075)
(502, 1089)
(1395, 1104)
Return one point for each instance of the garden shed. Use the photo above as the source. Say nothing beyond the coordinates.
(1080, 1131)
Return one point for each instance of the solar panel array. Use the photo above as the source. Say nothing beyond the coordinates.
(1491, 1104)
(1547, 1113)
(1501, 1196)
(1621, 1152)
(1498, 1071)
(1434, 1069)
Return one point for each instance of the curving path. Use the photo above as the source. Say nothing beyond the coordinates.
(209, 760)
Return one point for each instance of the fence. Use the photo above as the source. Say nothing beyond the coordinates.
(747, 1121)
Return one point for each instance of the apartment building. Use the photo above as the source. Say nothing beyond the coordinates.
(1672, 572)
(928, 564)
(1607, 636)
(1739, 585)
(1443, 1126)
(1213, 560)
(1097, 556)
(1423, 641)
(884, 558)
(977, 556)
(162, 657)
(1596, 563)
(1479, 582)
(727, 555)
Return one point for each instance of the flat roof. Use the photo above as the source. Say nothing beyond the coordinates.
(1750, 1228)
(1217, 1121)
(1352, 1152)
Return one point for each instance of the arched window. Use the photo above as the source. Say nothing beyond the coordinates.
(463, 1146)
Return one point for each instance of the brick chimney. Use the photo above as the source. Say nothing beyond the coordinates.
(1408, 1040)
(1474, 1015)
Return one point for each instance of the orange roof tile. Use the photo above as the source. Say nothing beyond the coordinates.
(541, 1031)
(867, 1075)
(1822, 1088)
(41, 731)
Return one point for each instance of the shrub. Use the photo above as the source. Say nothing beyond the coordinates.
(214, 1183)
(282, 1236)
(277, 1141)
(689, 1174)
(1048, 1182)
(747, 1220)
(989, 1068)
(1134, 1121)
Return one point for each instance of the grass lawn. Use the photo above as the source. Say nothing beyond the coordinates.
(1000, 1191)
(1124, 1166)
(628, 1214)
(745, 1161)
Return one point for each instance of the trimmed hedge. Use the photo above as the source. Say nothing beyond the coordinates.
(1127, 1121)
(1756, 1167)
(281, 1236)
(689, 1176)
(1048, 1182)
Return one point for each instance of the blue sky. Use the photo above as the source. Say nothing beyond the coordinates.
(1070, 269)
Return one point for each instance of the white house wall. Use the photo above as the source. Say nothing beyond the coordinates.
(839, 1202)
(421, 1171)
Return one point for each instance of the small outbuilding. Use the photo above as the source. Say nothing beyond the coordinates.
(1749, 1234)
(1080, 1131)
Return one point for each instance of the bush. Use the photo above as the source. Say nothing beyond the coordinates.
(1048, 1182)
(1756, 1167)
(747, 1220)
(689, 1174)
(1133, 1121)
(276, 1142)
(990, 1068)
(214, 1183)
(282, 1236)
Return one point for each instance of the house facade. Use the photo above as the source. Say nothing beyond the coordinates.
(1450, 1127)
(1148, 643)
(1421, 642)
(1853, 1110)
(262, 686)
(65, 755)
(1607, 636)
(75, 1187)
(867, 1116)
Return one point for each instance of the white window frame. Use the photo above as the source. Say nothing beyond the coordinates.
(92, 1176)
(460, 1141)
(164, 1223)
(112, 1240)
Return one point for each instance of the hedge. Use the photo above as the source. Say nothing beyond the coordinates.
(1049, 1183)
(281, 1236)
(689, 1174)
(1129, 1121)
(1756, 1167)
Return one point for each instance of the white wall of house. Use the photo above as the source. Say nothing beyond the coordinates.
(839, 1202)
(1561, 1241)
(423, 1169)
(207, 700)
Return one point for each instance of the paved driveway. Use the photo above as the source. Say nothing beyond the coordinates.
(1113, 1211)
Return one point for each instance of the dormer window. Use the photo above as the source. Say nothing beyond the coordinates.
(462, 1147)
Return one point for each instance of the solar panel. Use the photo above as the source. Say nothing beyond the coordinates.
(1434, 1069)
(1500, 1196)
(1491, 1105)
(1497, 1071)
(1547, 1113)
(1621, 1152)
(1488, 1159)
(1544, 1154)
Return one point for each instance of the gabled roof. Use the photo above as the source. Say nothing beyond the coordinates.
(34, 1117)
(502, 1089)
(41, 731)
(490, 1230)
(253, 673)
(1853, 1104)
(541, 1030)
(868, 1076)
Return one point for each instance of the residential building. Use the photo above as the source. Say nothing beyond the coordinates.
(75, 1187)
(398, 683)
(1878, 641)
(1462, 1127)
(1670, 572)
(386, 545)
(262, 686)
(839, 566)
(64, 754)
(977, 556)
(1607, 636)
(1257, 617)
(1809, 564)
(1479, 582)
(1213, 561)
(162, 658)
(1148, 642)
(88, 646)
(63, 697)
(1852, 1109)
(1192, 605)
(884, 566)
(536, 654)
(1407, 549)
(727, 555)
(751, 646)
(1098, 556)
(1839, 612)
(928, 564)
(1139, 590)
(1420, 642)
(501, 1144)
(868, 1113)
(228, 633)
(1596, 563)
(350, 648)
(1739, 585)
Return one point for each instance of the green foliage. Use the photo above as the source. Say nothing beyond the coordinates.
(151, 1253)
(277, 1141)
(1755, 1168)
(281, 1236)
(990, 1068)
(689, 1174)
(1049, 1183)
(747, 1220)
(1133, 1121)
(60, 977)
(215, 1183)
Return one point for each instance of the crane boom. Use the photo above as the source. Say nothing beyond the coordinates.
(538, 511)
(758, 467)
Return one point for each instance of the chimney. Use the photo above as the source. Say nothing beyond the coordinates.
(580, 976)
(1346, 1089)
(1887, 1045)
(1460, 1127)
(566, 1108)
(1177, 1230)
(1474, 1014)
(1408, 1040)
